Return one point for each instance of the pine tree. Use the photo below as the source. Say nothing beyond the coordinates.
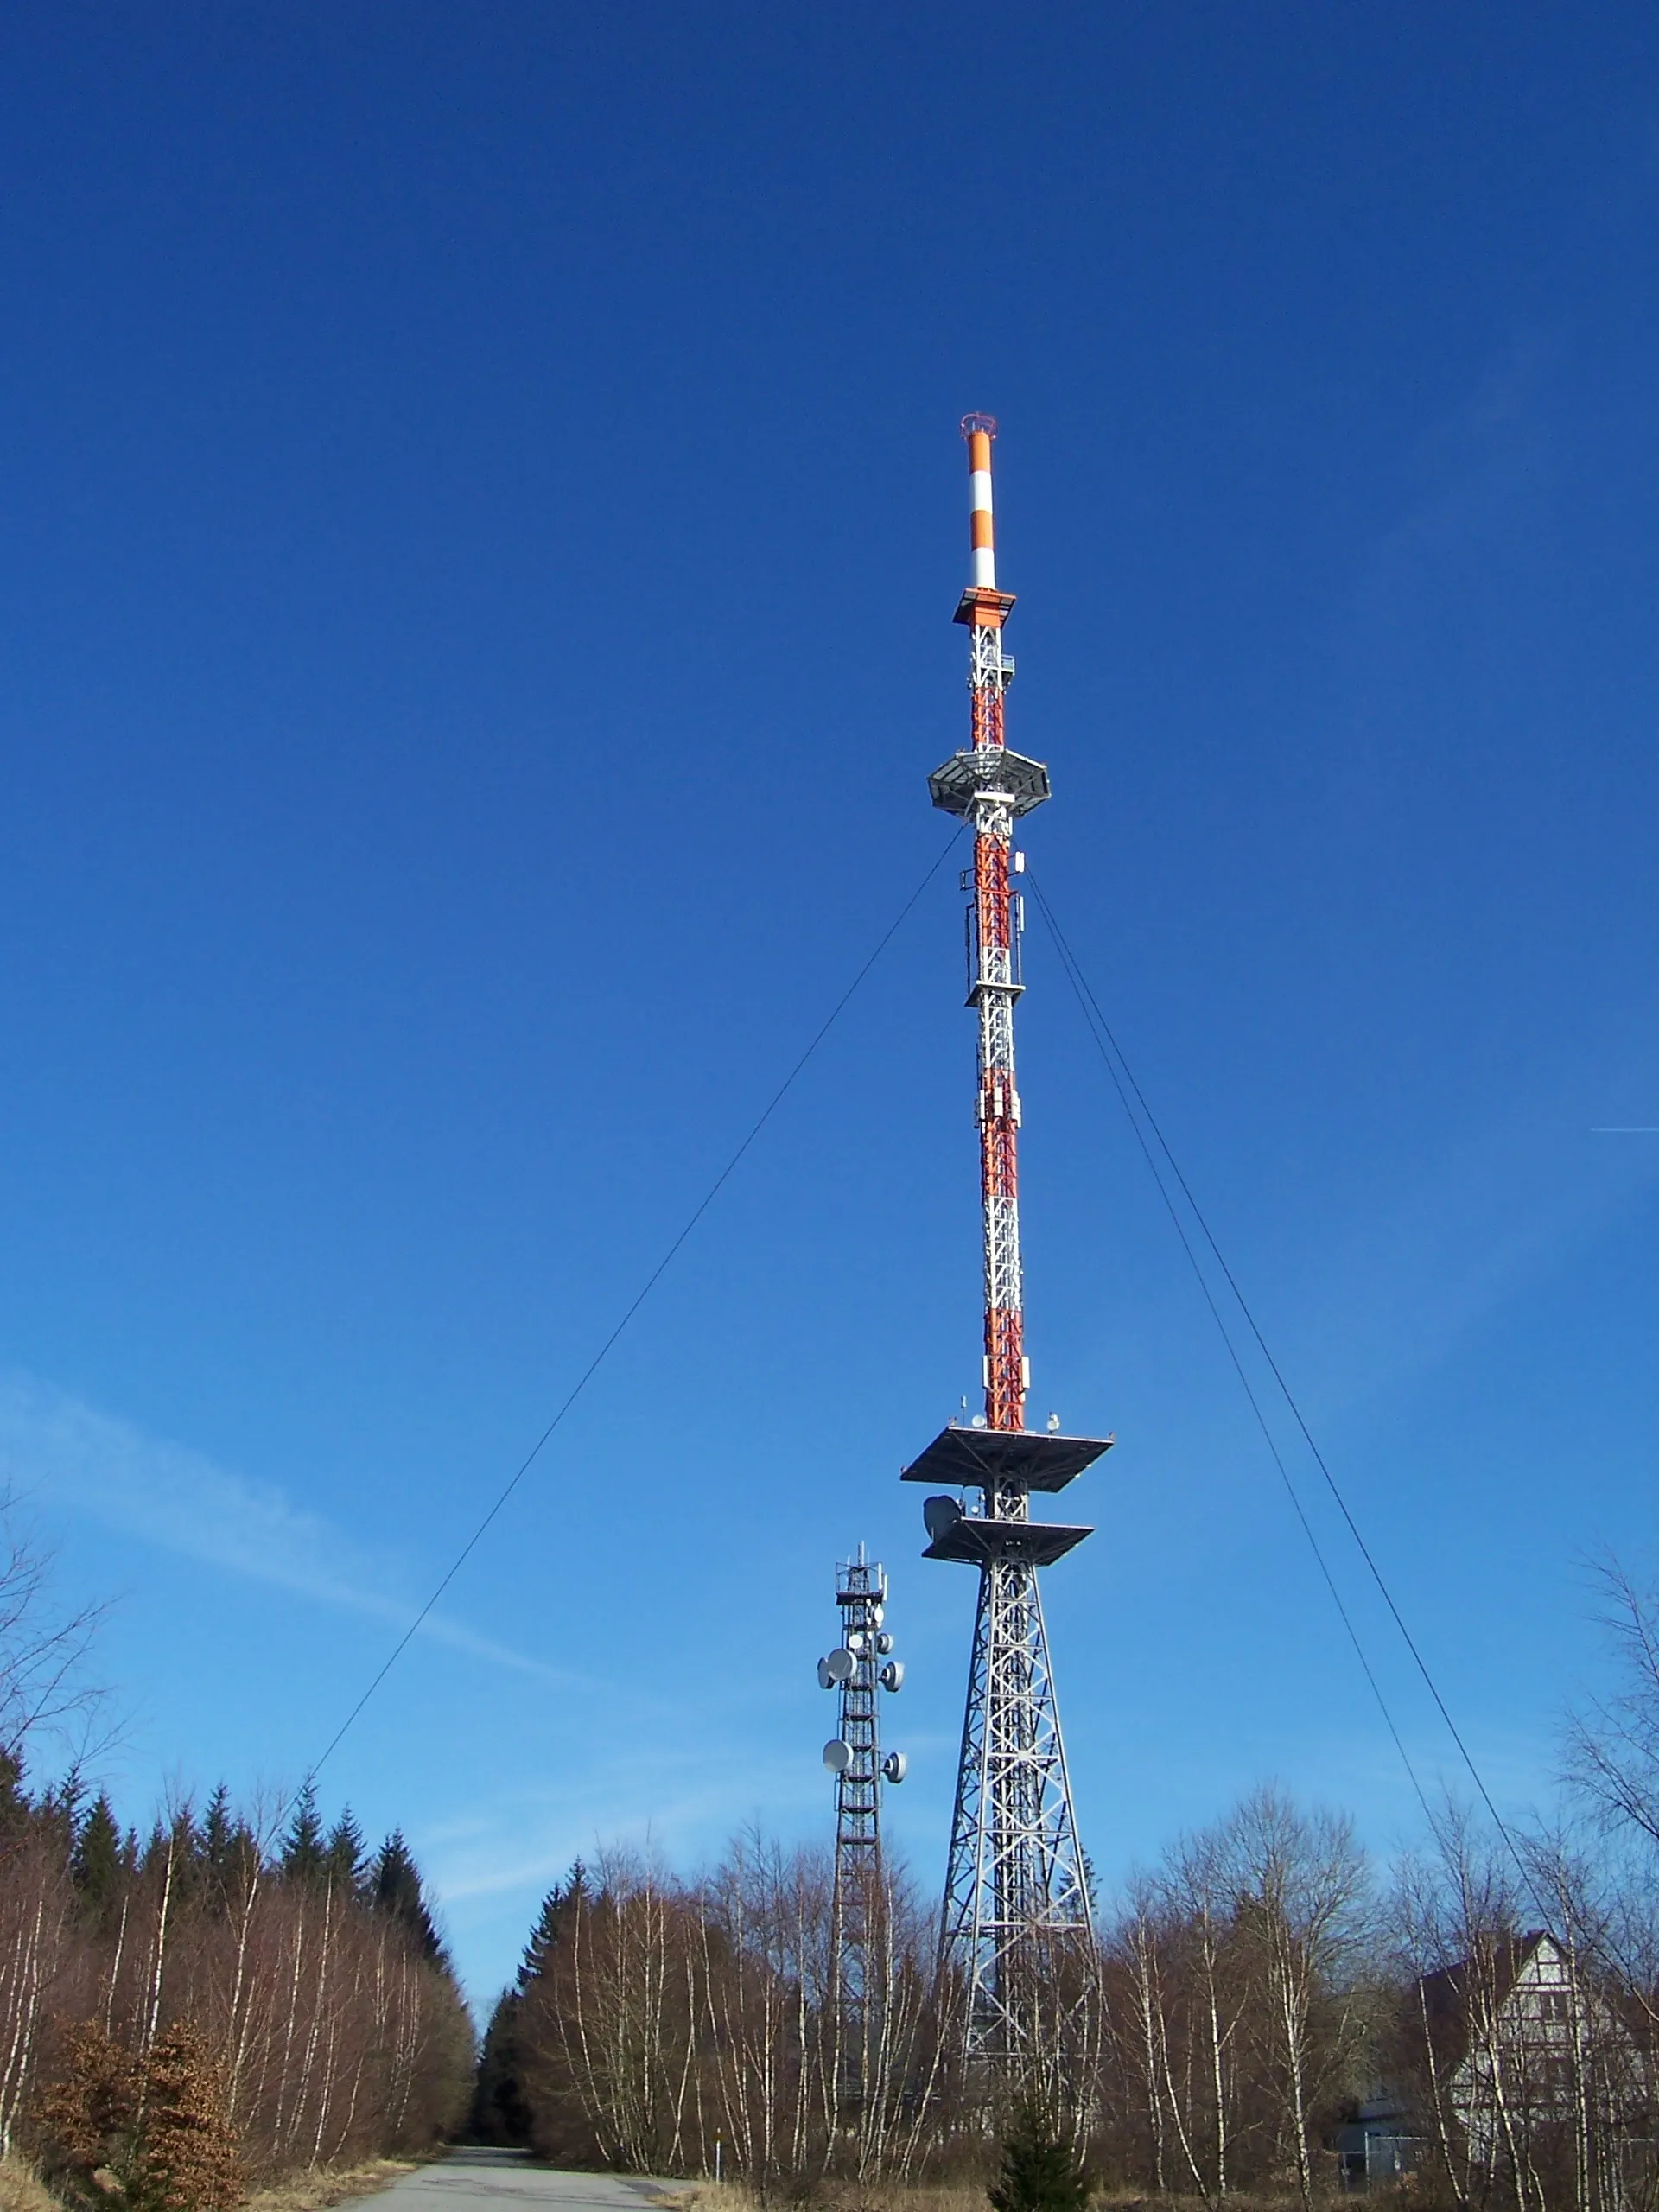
(395, 1888)
(1040, 2171)
(303, 1852)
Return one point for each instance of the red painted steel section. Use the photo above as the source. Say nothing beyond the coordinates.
(1005, 1392)
(1005, 1395)
(987, 717)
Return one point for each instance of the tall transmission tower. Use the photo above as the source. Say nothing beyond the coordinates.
(1014, 1933)
(860, 1665)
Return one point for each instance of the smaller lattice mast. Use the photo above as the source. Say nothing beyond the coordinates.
(859, 1667)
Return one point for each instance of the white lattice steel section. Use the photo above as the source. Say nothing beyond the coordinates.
(1015, 1893)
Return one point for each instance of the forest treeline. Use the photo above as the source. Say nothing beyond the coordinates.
(295, 1993)
(1489, 2007)
(228, 1995)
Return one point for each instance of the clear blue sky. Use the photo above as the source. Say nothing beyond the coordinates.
(483, 509)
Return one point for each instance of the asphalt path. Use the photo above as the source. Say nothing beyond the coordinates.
(505, 2181)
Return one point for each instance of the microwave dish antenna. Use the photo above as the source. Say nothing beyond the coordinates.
(940, 1516)
(860, 1957)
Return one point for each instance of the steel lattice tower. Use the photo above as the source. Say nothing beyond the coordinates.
(1015, 1935)
(859, 1667)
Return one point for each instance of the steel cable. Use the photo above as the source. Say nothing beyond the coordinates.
(1125, 1084)
(632, 1309)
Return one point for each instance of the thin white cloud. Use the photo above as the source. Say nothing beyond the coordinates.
(55, 1446)
(661, 1797)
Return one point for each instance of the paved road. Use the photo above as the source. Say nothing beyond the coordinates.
(505, 2181)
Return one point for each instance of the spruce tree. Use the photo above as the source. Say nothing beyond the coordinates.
(342, 1855)
(229, 1849)
(95, 1861)
(15, 1807)
(216, 1830)
(61, 1808)
(500, 2112)
(303, 1850)
(395, 1889)
(1040, 2171)
(556, 1906)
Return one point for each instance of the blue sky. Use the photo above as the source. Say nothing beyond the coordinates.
(483, 509)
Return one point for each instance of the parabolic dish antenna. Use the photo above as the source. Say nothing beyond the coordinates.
(941, 1515)
(837, 1756)
(840, 1664)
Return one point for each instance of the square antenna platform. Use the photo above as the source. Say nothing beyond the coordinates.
(979, 605)
(978, 1542)
(986, 1458)
(954, 786)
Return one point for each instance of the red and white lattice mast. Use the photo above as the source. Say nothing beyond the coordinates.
(984, 609)
(1013, 1936)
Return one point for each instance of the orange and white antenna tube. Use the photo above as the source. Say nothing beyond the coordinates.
(979, 430)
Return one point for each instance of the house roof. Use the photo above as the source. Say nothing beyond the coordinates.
(1446, 1995)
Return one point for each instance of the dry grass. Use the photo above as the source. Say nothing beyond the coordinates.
(835, 2196)
(305, 2192)
(22, 2189)
(902, 2196)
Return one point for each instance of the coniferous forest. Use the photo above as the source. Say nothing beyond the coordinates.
(299, 1986)
(230, 1995)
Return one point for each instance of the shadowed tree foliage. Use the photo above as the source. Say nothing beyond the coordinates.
(501, 2110)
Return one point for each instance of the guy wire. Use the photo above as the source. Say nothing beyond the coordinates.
(1113, 1058)
(632, 1309)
